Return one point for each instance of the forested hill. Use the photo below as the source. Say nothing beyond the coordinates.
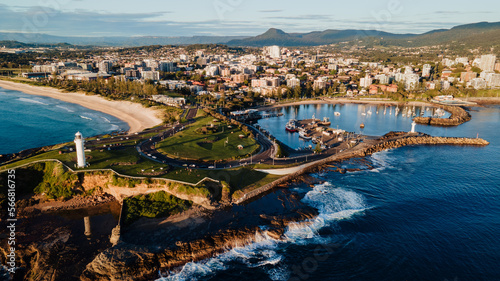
(471, 35)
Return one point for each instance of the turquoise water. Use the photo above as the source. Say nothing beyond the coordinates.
(422, 213)
(28, 121)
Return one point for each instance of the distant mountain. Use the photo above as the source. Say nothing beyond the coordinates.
(473, 35)
(481, 34)
(279, 37)
(16, 44)
(37, 38)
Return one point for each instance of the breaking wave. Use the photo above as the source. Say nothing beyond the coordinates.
(32, 101)
(334, 204)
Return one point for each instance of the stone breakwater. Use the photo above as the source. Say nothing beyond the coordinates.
(389, 141)
(458, 117)
(423, 140)
(129, 262)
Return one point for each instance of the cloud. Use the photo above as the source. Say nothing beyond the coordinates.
(88, 23)
(462, 12)
(271, 11)
(159, 23)
(302, 17)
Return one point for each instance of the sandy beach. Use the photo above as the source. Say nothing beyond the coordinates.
(135, 115)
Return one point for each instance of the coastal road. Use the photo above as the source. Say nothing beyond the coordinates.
(148, 149)
(266, 154)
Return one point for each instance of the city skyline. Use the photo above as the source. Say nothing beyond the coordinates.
(233, 17)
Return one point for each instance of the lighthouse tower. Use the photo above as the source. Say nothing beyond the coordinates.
(413, 127)
(80, 151)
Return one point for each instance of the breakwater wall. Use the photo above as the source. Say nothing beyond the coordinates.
(458, 117)
(423, 140)
(360, 151)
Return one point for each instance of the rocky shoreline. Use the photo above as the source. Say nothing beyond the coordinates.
(130, 262)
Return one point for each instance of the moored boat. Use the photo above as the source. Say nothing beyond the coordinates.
(303, 135)
(325, 122)
(291, 127)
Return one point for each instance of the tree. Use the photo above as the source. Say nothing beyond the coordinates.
(317, 149)
(297, 91)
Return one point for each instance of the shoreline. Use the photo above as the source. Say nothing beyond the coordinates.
(480, 102)
(135, 115)
(339, 101)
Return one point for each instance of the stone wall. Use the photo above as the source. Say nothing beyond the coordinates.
(458, 117)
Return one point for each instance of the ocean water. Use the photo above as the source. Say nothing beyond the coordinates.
(28, 121)
(422, 213)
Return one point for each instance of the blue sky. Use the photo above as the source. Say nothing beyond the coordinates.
(235, 17)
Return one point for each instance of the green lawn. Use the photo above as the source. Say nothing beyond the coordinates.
(118, 160)
(200, 142)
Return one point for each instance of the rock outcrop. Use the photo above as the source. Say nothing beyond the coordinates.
(458, 117)
(128, 262)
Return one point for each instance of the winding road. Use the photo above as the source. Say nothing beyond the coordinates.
(266, 154)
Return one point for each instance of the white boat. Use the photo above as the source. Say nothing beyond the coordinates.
(302, 134)
(291, 127)
(362, 113)
(337, 113)
(325, 122)
(369, 112)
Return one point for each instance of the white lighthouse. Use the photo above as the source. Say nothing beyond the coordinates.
(413, 127)
(80, 150)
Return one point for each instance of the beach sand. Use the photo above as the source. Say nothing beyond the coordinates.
(135, 115)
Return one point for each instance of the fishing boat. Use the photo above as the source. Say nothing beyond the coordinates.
(291, 127)
(325, 122)
(303, 135)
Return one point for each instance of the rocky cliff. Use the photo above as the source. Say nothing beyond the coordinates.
(128, 262)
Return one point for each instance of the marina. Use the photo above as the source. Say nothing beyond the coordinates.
(347, 117)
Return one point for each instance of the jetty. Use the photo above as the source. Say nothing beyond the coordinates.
(458, 117)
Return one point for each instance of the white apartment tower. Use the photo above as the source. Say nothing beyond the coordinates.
(273, 51)
(488, 62)
(426, 71)
(80, 150)
(365, 82)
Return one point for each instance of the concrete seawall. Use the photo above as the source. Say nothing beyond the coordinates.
(362, 151)
(458, 117)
